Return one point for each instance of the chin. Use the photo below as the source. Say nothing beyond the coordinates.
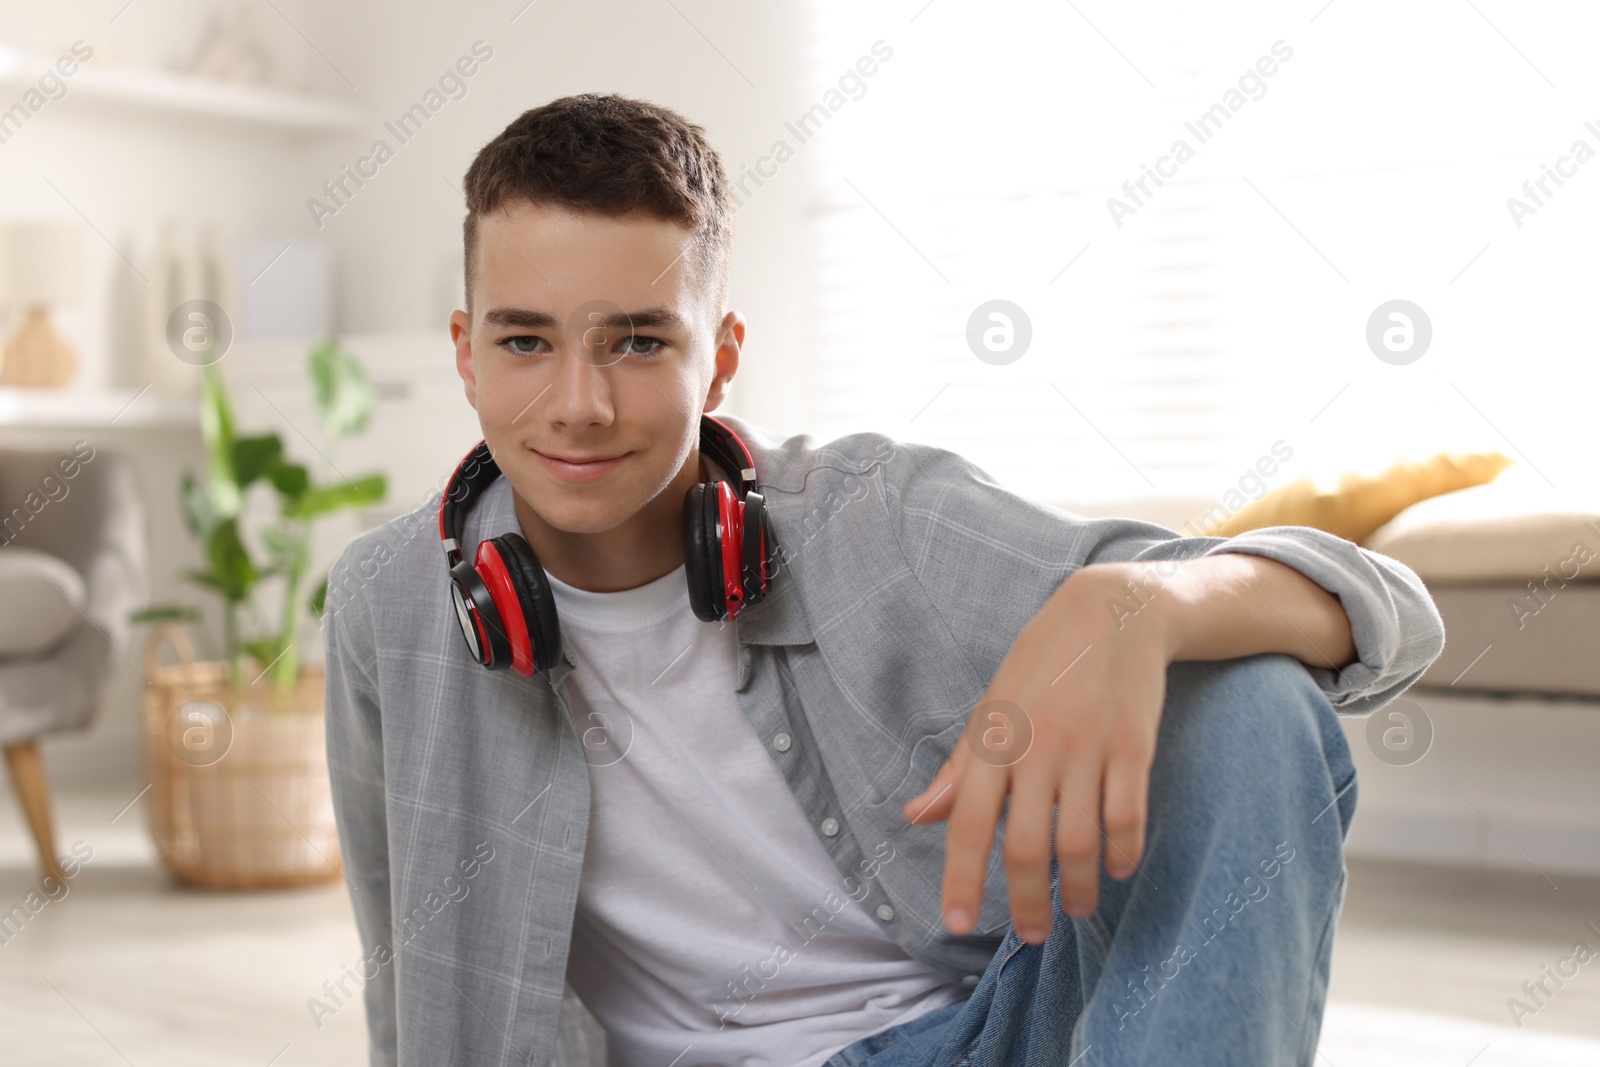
(569, 512)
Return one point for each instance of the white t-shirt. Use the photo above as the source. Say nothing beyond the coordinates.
(700, 865)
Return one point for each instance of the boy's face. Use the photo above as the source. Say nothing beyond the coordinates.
(591, 337)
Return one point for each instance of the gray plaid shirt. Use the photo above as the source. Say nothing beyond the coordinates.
(905, 575)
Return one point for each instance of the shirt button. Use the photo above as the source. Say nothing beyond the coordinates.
(970, 980)
(830, 827)
(781, 742)
(885, 912)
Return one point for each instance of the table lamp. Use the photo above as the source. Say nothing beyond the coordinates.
(41, 264)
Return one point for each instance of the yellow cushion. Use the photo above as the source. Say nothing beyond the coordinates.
(1358, 504)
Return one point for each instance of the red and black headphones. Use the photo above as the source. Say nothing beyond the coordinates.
(503, 599)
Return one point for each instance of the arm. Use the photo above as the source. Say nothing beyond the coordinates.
(989, 559)
(1229, 605)
(1036, 596)
(355, 764)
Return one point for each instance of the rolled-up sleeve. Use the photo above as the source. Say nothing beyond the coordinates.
(1397, 629)
(990, 558)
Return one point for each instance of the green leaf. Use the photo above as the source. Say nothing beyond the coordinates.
(216, 429)
(254, 457)
(344, 394)
(319, 598)
(231, 567)
(276, 540)
(266, 650)
(164, 612)
(288, 547)
(290, 479)
(205, 578)
(368, 489)
(197, 508)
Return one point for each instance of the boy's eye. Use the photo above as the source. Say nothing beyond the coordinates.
(636, 345)
(522, 346)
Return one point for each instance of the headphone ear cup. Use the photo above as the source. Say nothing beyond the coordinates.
(718, 584)
(534, 595)
(705, 597)
(752, 560)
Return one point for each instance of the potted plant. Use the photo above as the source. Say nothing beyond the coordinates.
(235, 749)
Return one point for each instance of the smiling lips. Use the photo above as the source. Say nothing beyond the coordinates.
(578, 469)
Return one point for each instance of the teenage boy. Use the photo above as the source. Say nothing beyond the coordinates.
(697, 818)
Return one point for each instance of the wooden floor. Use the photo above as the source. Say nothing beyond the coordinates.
(1427, 957)
(129, 968)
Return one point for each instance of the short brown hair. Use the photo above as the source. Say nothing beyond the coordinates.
(611, 155)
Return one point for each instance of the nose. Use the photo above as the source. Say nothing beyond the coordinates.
(579, 393)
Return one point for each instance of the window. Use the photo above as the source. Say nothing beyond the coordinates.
(1228, 310)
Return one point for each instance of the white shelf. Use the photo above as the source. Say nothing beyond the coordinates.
(162, 90)
(110, 409)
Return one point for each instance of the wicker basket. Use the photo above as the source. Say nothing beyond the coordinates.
(239, 797)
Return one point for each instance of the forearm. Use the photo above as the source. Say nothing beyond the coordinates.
(1228, 605)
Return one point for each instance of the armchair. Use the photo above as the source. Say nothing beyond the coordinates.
(73, 558)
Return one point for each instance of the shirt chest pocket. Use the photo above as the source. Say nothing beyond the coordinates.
(920, 849)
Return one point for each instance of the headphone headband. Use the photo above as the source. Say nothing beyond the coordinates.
(472, 476)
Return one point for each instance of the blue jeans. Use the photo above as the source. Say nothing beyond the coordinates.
(1217, 950)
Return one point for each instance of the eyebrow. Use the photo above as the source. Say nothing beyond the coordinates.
(656, 318)
(522, 317)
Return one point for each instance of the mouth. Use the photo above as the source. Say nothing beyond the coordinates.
(580, 468)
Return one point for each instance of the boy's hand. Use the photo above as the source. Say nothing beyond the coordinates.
(1069, 718)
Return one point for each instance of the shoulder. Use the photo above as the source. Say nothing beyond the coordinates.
(387, 568)
(851, 504)
(790, 464)
(806, 479)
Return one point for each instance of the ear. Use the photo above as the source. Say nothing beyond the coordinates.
(730, 339)
(461, 335)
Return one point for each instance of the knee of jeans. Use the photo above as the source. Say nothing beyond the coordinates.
(1255, 720)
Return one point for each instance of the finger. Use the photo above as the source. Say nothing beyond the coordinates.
(1026, 850)
(967, 843)
(1126, 810)
(1078, 836)
(933, 804)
